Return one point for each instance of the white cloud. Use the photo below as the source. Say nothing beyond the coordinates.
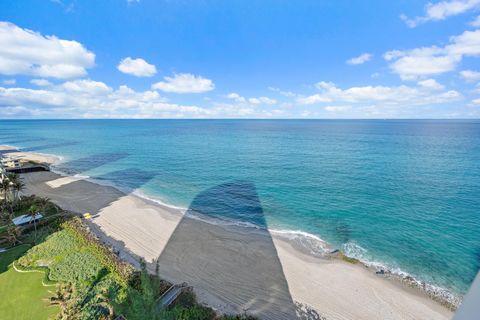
(476, 102)
(9, 82)
(236, 97)
(430, 84)
(94, 99)
(476, 22)
(426, 93)
(313, 99)
(185, 83)
(88, 87)
(337, 108)
(255, 101)
(428, 61)
(360, 59)
(262, 100)
(137, 67)
(281, 92)
(91, 99)
(441, 10)
(25, 52)
(470, 75)
(422, 62)
(41, 82)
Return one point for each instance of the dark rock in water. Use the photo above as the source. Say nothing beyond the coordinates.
(380, 272)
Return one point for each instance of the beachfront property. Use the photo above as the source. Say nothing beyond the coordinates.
(18, 164)
(11, 163)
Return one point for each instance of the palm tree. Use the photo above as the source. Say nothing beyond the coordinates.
(17, 187)
(32, 213)
(5, 189)
(13, 235)
(103, 301)
(12, 177)
(45, 203)
(65, 297)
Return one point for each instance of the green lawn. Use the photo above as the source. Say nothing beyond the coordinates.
(22, 294)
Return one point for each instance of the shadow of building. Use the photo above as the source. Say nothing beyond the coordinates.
(235, 267)
(87, 163)
(49, 146)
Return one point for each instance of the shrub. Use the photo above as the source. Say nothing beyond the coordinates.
(76, 267)
(196, 312)
(54, 249)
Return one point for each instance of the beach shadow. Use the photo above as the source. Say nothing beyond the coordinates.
(87, 163)
(49, 146)
(12, 142)
(236, 269)
(129, 179)
(83, 196)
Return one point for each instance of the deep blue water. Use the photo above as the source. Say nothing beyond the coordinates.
(400, 192)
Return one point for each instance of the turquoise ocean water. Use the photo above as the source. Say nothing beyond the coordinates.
(404, 194)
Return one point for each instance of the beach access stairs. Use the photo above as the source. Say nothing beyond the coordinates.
(169, 296)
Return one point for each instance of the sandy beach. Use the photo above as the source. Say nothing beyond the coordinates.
(13, 153)
(233, 269)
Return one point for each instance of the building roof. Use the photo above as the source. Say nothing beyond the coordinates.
(23, 219)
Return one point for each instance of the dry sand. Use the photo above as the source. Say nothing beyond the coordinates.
(341, 290)
(234, 269)
(12, 153)
(63, 181)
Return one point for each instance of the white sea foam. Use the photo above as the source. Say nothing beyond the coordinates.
(81, 176)
(57, 157)
(222, 221)
(142, 195)
(312, 243)
(354, 250)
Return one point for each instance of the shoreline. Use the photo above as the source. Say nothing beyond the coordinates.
(140, 227)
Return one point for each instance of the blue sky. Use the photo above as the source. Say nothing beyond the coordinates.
(236, 59)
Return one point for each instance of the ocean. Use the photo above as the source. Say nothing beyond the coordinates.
(403, 195)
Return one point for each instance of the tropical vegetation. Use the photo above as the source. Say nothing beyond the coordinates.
(58, 268)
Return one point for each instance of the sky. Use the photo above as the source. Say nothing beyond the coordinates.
(239, 59)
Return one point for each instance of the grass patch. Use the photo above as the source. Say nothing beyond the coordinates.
(90, 279)
(91, 282)
(7, 257)
(23, 295)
